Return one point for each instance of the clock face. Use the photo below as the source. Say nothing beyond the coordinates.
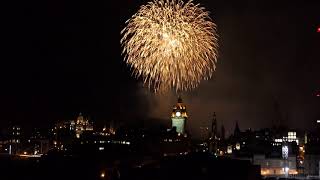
(178, 114)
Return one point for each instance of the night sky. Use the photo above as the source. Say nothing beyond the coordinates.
(62, 57)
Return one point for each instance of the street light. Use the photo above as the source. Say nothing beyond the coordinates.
(286, 171)
(102, 175)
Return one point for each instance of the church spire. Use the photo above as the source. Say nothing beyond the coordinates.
(214, 126)
(237, 129)
(223, 132)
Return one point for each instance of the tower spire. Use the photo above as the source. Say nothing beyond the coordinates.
(179, 99)
(223, 132)
(237, 129)
(214, 126)
(179, 116)
(213, 141)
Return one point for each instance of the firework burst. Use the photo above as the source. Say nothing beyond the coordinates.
(170, 44)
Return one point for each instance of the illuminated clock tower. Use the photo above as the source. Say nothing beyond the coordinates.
(179, 116)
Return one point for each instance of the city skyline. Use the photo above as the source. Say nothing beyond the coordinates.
(169, 123)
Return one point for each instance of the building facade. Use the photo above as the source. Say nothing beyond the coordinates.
(311, 164)
(276, 166)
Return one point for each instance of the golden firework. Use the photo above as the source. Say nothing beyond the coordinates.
(170, 44)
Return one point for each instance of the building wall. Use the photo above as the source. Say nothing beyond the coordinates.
(275, 166)
(311, 164)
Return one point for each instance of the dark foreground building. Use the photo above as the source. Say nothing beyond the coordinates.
(99, 166)
(194, 167)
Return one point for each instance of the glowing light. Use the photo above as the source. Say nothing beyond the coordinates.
(285, 152)
(318, 30)
(301, 162)
(221, 153)
(170, 44)
(286, 169)
(102, 175)
(229, 149)
(265, 172)
(238, 146)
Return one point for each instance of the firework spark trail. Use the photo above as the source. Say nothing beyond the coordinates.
(170, 44)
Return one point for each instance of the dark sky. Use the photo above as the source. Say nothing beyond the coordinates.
(63, 57)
